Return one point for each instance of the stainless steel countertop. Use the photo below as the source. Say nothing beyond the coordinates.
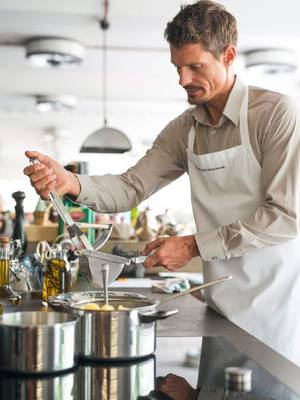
(196, 319)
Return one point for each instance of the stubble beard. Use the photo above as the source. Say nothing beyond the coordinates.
(196, 102)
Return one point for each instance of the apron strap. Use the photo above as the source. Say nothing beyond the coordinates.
(191, 138)
(244, 130)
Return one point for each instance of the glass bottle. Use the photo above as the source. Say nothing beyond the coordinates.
(57, 275)
(4, 260)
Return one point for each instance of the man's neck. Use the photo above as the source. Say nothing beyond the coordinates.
(216, 106)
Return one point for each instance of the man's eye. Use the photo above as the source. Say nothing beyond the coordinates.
(196, 67)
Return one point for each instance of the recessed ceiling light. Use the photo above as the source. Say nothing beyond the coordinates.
(271, 61)
(54, 52)
(55, 103)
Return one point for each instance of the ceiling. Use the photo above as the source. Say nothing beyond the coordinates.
(143, 93)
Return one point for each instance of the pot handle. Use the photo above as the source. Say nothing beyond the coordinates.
(58, 305)
(147, 318)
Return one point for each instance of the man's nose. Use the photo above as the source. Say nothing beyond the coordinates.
(185, 77)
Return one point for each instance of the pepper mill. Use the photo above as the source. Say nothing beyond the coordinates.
(19, 228)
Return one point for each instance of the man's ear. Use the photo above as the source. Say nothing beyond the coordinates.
(229, 55)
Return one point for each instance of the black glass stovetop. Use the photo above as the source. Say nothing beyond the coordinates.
(179, 368)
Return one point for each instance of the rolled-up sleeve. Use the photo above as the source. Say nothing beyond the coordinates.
(162, 164)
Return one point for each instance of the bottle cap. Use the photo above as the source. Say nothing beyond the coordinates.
(238, 379)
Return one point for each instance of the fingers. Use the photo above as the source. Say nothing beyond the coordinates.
(43, 183)
(152, 246)
(171, 252)
(32, 169)
(42, 178)
(152, 261)
(175, 387)
(40, 175)
(159, 259)
(39, 156)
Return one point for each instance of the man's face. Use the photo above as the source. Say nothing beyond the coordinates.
(200, 73)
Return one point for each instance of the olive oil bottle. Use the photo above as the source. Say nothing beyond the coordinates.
(4, 260)
(57, 276)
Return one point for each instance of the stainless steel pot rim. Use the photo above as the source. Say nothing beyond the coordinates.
(74, 300)
(77, 306)
(21, 319)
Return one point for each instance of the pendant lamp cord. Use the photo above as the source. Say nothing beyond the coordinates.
(104, 26)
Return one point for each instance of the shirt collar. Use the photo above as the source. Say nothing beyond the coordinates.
(231, 109)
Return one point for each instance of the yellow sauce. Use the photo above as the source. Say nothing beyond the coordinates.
(104, 307)
(120, 308)
(90, 306)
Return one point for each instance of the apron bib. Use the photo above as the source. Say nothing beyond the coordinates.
(263, 297)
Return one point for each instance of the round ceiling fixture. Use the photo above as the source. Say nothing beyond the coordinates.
(54, 52)
(106, 140)
(271, 61)
(55, 103)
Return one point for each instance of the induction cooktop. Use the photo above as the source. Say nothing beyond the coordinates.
(202, 362)
(194, 364)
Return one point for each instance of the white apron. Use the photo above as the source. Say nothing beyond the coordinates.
(263, 297)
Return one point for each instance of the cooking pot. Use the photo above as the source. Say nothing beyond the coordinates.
(131, 380)
(60, 386)
(37, 342)
(113, 335)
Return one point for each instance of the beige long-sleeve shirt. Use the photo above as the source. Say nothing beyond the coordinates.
(274, 129)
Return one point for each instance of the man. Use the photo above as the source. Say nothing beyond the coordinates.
(240, 147)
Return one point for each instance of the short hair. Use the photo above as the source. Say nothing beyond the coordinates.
(205, 22)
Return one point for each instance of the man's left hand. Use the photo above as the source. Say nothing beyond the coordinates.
(176, 387)
(170, 252)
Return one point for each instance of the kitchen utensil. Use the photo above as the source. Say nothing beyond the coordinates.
(43, 250)
(91, 262)
(79, 238)
(90, 265)
(37, 342)
(82, 243)
(113, 335)
(105, 271)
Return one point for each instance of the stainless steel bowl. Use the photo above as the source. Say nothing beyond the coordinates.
(37, 342)
(113, 335)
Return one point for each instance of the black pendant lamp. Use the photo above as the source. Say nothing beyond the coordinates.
(105, 139)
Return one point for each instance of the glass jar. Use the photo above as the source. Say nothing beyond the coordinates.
(4, 260)
(57, 275)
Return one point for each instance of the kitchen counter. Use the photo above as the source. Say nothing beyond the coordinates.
(195, 320)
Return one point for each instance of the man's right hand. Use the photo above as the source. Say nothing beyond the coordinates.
(49, 175)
